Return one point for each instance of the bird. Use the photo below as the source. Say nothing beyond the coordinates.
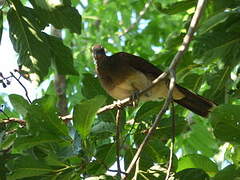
(122, 75)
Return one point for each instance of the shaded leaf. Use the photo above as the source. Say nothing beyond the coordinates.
(229, 172)
(27, 166)
(91, 86)
(42, 118)
(148, 111)
(105, 157)
(214, 21)
(225, 119)
(62, 56)
(192, 173)
(25, 142)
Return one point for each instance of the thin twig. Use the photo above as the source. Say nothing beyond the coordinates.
(171, 70)
(16, 120)
(188, 37)
(136, 170)
(141, 14)
(172, 142)
(155, 124)
(118, 117)
(25, 89)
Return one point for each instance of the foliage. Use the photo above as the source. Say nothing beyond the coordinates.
(46, 147)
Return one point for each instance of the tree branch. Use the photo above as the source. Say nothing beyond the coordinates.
(171, 70)
(25, 89)
(172, 142)
(16, 120)
(118, 117)
(141, 14)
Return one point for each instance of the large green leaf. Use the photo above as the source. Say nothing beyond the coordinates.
(28, 40)
(91, 86)
(27, 166)
(148, 111)
(214, 21)
(62, 56)
(192, 173)
(84, 113)
(58, 13)
(20, 104)
(229, 172)
(155, 152)
(225, 120)
(105, 157)
(26, 142)
(197, 161)
(42, 118)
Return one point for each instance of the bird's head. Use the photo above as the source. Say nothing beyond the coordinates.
(98, 52)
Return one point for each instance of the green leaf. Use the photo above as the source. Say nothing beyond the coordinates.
(42, 118)
(155, 152)
(27, 166)
(199, 139)
(84, 113)
(91, 86)
(105, 157)
(62, 56)
(176, 7)
(229, 172)
(236, 155)
(1, 25)
(164, 130)
(209, 46)
(20, 104)
(52, 160)
(103, 127)
(148, 111)
(26, 142)
(218, 83)
(59, 13)
(192, 173)
(225, 119)
(214, 21)
(28, 40)
(8, 141)
(197, 161)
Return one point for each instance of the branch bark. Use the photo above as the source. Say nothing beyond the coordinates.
(185, 44)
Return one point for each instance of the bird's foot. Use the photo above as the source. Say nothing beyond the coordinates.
(135, 98)
(118, 103)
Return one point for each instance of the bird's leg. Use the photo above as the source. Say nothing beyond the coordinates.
(135, 98)
(118, 103)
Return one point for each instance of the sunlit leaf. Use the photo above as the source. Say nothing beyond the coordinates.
(197, 161)
(84, 113)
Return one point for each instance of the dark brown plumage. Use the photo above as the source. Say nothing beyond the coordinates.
(123, 74)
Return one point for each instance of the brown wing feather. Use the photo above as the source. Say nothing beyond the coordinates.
(139, 64)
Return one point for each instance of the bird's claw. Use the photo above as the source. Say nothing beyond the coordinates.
(118, 103)
(135, 98)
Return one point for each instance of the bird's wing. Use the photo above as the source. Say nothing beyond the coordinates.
(139, 64)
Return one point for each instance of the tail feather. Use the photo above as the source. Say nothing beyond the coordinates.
(195, 103)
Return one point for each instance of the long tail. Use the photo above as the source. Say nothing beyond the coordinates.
(195, 103)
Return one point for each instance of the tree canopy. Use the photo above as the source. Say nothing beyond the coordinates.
(53, 40)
